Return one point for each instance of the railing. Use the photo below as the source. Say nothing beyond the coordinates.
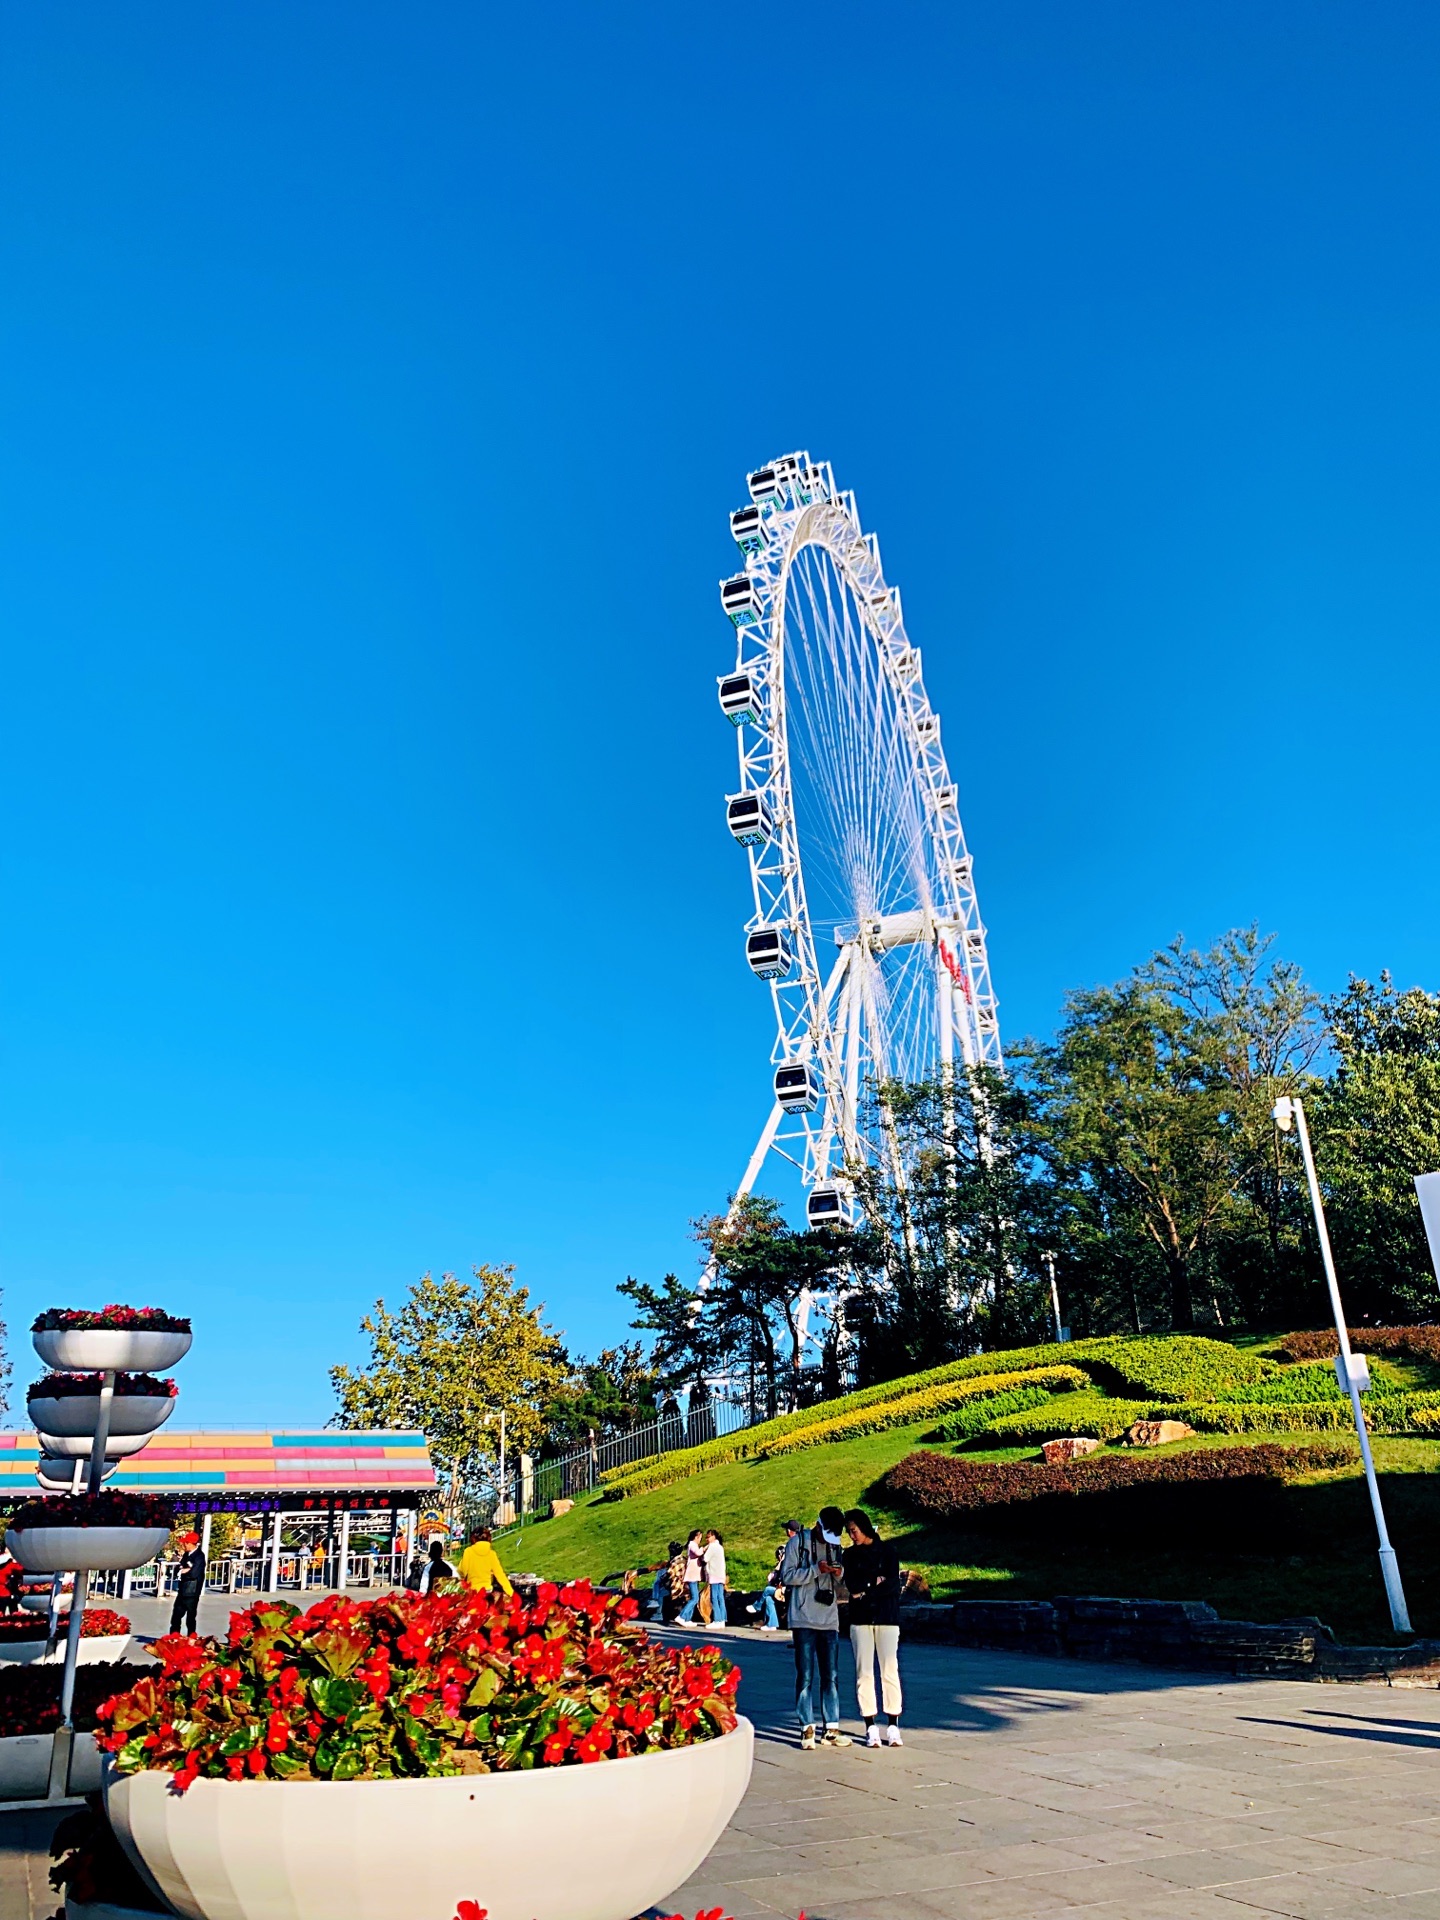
(528, 1494)
(251, 1573)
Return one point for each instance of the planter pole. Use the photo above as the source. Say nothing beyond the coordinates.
(102, 1430)
(1290, 1109)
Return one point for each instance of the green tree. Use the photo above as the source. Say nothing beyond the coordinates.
(1376, 1124)
(962, 1244)
(1139, 1123)
(613, 1392)
(762, 1272)
(685, 1347)
(447, 1362)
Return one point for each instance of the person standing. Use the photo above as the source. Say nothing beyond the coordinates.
(437, 1567)
(192, 1585)
(714, 1558)
(480, 1566)
(872, 1579)
(809, 1570)
(694, 1574)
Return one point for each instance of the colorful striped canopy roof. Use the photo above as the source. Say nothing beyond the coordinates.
(308, 1461)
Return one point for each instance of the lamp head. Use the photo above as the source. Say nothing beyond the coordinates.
(1284, 1113)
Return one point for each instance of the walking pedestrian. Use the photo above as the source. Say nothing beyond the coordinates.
(192, 1585)
(810, 1568)
(437, 1567)
(694, 1574)
(714, 1558)
(480, 1566)
(872, 1579)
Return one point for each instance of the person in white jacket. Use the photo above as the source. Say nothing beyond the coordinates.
(715, 1574)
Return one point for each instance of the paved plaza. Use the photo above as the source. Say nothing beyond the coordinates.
(1043, 1790)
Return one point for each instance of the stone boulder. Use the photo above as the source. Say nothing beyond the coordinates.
(1059, 1453)
(1157, 1433)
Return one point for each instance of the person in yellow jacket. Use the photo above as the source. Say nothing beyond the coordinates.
(480, 1565)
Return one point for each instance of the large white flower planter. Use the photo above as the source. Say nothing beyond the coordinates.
(600, 1842)
(57, 1549)
(77, 1446)
(100, 1646)
(72, 1415)
(99, 1349)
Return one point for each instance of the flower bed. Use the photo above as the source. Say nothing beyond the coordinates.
(413, 1686)
(99, 1623)
(128, 1386)
(94, 1510)
(30, 1696)
(943, 1486)
(115, 1318)
(1398, 1343)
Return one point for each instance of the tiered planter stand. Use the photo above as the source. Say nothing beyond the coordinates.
(82, 1433)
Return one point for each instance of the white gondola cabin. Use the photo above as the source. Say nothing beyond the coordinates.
(739, 599)
(768, 953)
(764, 485)
(739, 699)
(749, 819)
(831, 1203)
(797, 1087)
(746, 529)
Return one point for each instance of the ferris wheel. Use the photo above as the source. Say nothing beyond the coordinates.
(865, 923)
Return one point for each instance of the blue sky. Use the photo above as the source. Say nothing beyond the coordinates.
(375, 383)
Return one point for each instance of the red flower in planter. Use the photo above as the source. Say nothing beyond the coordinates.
(95, 1510)
(132, 1386)
(417, 1686)
(114, 1318)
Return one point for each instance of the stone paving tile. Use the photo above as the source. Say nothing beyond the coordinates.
(1399, 1843)
(1304, 1897)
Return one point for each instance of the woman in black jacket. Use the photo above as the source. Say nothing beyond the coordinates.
(872, 1579)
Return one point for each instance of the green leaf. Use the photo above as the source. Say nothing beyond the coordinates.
(487, 1685)
(285, 1764)
(348, 1766)
(336, 1699)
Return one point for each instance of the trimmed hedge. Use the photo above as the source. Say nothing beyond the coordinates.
(1179, 1367)
(814, 1426)
(942, 1486)
(1090, 1416)
(619, 1482)
(916, 1406)
(965, 1422)
(1384, 1413)
(1400, 1343)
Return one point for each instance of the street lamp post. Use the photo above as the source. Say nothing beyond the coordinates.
(1350, 1368)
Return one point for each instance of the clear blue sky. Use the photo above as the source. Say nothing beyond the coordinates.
(376, 381)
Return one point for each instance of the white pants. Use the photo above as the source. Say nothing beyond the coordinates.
(868, 1644)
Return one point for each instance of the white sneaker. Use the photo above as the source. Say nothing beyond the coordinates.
(892, 1736)
(834, 1738)
(807, 1739)
(872, 1736)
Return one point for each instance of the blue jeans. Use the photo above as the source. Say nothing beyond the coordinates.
(772, 1612)
(817, 1675)
(687, 1612)
(717, 1604)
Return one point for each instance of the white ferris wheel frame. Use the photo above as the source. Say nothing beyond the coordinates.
(820, 1015)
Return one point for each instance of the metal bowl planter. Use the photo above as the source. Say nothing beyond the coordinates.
(72, 1415)
(61, 1549)
(101, 1349)
(598, 1842)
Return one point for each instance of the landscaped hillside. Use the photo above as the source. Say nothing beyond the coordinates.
(1298, 1541)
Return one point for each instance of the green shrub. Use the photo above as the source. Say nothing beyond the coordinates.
(1385, 1412)
(1093, 1416)
(1180, 1367)
(918, 1406)
(979, 1414)
(839, 1420)
(666, 1468)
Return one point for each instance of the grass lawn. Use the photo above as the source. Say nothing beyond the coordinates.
(1321, 1560)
